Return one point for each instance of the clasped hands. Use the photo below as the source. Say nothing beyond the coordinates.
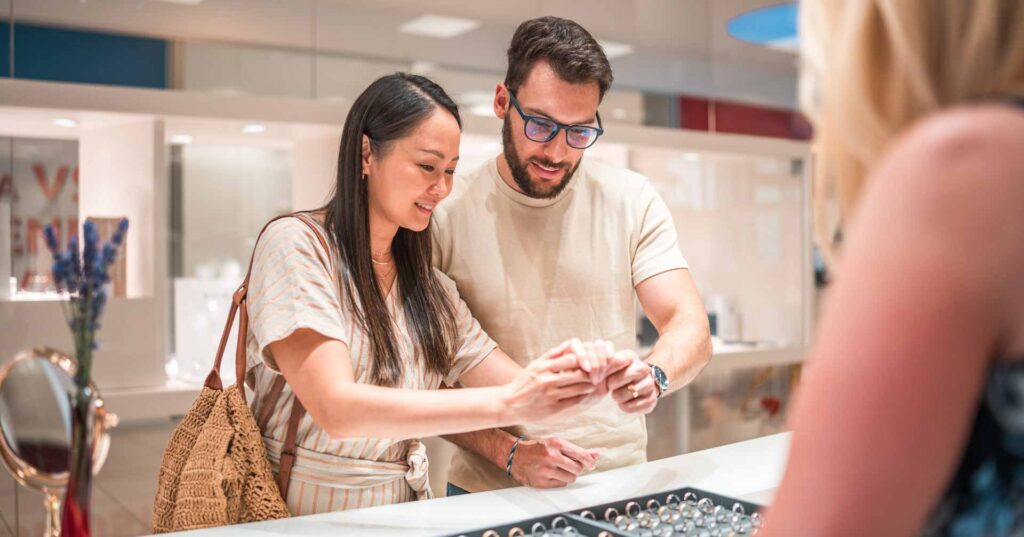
(566, 378)
(577, 373)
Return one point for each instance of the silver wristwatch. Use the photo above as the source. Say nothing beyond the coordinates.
(660, 379)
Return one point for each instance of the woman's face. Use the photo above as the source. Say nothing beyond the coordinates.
(414, 173)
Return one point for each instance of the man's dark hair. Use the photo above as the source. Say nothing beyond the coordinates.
(570, 50)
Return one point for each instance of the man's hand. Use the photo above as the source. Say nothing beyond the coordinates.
(631, 383)
(550, 463)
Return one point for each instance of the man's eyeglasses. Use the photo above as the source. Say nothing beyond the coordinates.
(543, 130)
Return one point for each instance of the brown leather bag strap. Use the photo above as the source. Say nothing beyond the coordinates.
(284, 470)
(269, 402)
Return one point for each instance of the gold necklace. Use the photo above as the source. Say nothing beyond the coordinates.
(383, 279)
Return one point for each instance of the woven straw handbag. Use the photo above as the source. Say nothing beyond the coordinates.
(215, 469)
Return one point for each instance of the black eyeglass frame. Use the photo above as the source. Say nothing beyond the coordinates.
(599, 129)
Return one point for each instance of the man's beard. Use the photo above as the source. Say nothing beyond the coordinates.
(520, 174)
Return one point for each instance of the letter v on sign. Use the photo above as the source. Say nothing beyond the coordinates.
(50, 190)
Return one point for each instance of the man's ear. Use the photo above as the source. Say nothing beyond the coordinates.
(501, 101)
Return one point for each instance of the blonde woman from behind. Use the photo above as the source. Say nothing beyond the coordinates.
(911, 418)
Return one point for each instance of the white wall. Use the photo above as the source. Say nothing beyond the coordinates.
(315, 166)
(117, 170)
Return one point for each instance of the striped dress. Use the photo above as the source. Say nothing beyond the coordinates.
(294, 284)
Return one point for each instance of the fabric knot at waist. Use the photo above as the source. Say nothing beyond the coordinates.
(318, 468)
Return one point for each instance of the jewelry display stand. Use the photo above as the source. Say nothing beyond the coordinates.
(680, 512)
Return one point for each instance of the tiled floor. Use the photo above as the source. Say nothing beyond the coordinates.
(122, 500)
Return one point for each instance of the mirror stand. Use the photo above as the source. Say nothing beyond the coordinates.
(36, 390)
(51, 503)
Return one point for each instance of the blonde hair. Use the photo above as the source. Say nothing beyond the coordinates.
(873, 67)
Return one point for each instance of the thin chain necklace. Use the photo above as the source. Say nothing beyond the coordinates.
(384, 280)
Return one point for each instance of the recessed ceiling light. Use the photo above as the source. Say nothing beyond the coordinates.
(619, 113)
(254, 128)
(67, 123)
(181, 139)
(616, 50)
(691, 157)
(439, 26)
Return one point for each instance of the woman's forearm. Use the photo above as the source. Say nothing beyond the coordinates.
(345, 408)
(367, 411)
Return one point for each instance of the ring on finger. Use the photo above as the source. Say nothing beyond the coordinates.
(633, 391)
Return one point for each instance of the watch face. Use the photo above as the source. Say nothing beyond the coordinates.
(660, 377)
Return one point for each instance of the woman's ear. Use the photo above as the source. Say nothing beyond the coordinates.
(367, 155)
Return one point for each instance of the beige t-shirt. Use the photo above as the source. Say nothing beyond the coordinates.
(295, 284)
(538, 272)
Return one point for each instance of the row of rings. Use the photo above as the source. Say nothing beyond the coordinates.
(559, 523)
(664, 512)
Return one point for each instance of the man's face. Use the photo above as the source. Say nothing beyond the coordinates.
(543, 170)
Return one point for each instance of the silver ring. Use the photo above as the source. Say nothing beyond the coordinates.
(610, 514)
(631, 507)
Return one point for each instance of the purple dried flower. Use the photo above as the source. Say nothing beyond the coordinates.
(85, 276)
(89, 253)
(51, 239)
(122, 228)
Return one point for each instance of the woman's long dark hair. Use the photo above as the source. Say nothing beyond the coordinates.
(389, 109)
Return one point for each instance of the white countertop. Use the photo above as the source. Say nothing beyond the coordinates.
(746, 470)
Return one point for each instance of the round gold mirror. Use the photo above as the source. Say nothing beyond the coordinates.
(36, 390)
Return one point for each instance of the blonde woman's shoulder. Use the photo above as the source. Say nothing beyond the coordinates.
(964, 153)
(955, 181)
(969, 135)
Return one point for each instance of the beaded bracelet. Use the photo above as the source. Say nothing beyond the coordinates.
(512, 453)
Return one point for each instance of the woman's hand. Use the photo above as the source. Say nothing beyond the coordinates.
(560, 379)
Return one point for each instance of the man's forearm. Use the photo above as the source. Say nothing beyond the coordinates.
(682, 351)
(491, 444)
